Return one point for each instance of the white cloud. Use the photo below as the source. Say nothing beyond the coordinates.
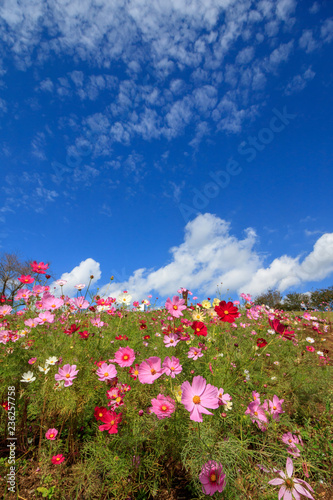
(299, 82)
(210, 254)
(80, 274)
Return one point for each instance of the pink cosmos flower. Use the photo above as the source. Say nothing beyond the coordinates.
(292, 441)
(171, 340)
(150, 370)
(5, 310)
(310, 348)
(124, 356)
(172, 366)
(81, 303)
(52, 303)
(275, 407)
(45, 317)
(57, 459)
(194, 353)
(32, 361)
(198, 397)
(290, 486)
(257, 413)
(175, 306)
(106, 372)
(67, 373)
(256, 396)
(212, 478)
(51, 434)
(163, 406)
(223, 398)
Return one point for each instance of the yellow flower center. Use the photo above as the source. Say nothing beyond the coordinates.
(172, 368)
(164, 408)
(274, 407)
(67, 375)
(100, 414)
(152, 371)
(136, 372)
(112, 422)
(171, 341)
(196, 400)
(175, 308)
(198, 329)
(125, 357)
(256, 413)
(290, 440)
(106, 374)
(226, 312)
(212, 478)
(51, 435)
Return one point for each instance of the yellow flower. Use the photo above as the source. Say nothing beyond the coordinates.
(178, 393)
(206, 304)
(216, 302)
(198, 315)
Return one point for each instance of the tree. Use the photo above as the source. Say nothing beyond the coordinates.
(322, 298)
(11, 268)
(293, 301)
(271, 298)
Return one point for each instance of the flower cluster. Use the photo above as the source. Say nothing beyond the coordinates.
(259, 412)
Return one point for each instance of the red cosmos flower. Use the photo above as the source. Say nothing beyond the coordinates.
(84, 334)
(5, 405)
(146, 337)
(39, 268)
(261, 343)
(99, 363)
(134, 371)
(143, 325)
(100, 413)
(111, 421)
(227, 312)
(26, 279)
(121, 337)
(73, 328)
(281, 329)
(199, 328)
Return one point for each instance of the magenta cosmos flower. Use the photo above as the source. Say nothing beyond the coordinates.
(212, 478)
(51, 434)
(175, 306)
(198, 397)
(172, 366)
(57, 459)
(163, 406)
(124, 356)
(67, 373)
(150, 370)
(290, 486)
(106, 372)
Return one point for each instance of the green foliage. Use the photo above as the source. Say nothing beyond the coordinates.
(272, 298)
(148, 455)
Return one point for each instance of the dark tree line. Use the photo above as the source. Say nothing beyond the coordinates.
(319, 299)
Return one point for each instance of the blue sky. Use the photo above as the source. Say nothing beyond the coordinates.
(170, 144)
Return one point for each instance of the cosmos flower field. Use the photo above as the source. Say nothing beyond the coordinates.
(217, 398)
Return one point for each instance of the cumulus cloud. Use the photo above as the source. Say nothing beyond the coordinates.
(211, 255)
(80, 274)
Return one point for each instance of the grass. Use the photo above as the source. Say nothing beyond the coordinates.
(162, 459)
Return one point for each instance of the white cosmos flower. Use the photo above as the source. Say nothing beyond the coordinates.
(45, 369)
(320, 353)
(125, 298)
(228, 406)
(310, 339)
(51, 361)
(28, 377)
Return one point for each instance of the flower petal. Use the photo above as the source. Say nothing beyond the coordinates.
(302, 490)
(276, 481)
(289, 467)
